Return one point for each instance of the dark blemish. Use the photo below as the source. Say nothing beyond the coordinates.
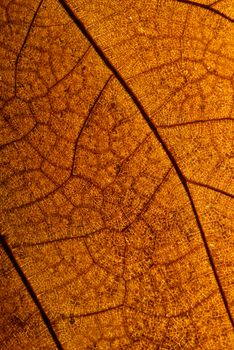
(16, 321)
(113, 105)
(7, 118)
(118, 169)
(72, 319)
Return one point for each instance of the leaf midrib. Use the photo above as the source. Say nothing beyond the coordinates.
(155, 131)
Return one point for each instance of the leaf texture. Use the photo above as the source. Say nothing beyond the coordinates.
(117, 174)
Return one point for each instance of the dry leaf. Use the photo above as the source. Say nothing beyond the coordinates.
(117, 175)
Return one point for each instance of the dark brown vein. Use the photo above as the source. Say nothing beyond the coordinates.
(153, 128)
(30, 290)
(25, 40)
(211, 188)
(207, 7)
(68, 74)
(98, 312)
(86, 122)
(195, 122)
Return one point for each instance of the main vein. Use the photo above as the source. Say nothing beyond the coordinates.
(154, 129)
(30, 290)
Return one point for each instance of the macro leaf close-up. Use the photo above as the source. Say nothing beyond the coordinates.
(117, 163)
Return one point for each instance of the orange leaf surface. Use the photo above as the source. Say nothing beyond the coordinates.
(117, 175)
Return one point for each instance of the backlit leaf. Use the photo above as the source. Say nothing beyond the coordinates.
(117, 174)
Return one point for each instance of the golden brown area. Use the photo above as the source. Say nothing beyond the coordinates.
(117, 175)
